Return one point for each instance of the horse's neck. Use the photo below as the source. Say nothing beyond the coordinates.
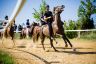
(57, 19)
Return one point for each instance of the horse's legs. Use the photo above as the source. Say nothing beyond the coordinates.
(8, 32)
(13, 39)
(24, 35)
(42, 41)
(27, 30)
(54, 40)
(20, 35)
(51, 42)
(3, 38)
(13, 42)
(66, 39)
(66, 45)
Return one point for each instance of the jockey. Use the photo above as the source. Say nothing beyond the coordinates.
(42, 19)
(48, 17)
(27, 23)
(20, 27)
(6, 18)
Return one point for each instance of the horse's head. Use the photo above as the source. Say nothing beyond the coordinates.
(58, 9)
(34, 24)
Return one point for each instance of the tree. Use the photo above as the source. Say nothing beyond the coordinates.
(78, 24)
(72, 25)
(37, 14)
(86, 9)
(65, 25)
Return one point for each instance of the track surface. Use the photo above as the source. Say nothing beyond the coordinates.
(25, 52)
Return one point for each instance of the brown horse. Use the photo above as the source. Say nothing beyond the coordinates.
(9, 33)
(27, 32)
(57, 29)
(24, 33)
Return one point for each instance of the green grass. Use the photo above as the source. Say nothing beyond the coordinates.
(17, 35)
(5, 58)
(89, 36)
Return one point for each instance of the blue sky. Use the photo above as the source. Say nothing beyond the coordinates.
(69, 13)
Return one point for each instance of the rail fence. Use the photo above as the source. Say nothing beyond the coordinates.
(78, 31)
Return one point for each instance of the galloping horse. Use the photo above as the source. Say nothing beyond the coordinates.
(57, 28)
(3, 24)
(9, 33)
(34, 31)
(25, 32)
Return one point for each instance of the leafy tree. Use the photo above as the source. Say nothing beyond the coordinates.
(65, 25)
(43, 7)
(78, 24)
(72, 25)
(37, 14)
(86, 9)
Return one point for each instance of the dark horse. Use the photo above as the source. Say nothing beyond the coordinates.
(57, 29)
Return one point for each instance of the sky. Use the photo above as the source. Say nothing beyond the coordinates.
(69, 13)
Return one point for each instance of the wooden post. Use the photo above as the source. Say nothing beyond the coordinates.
(78, 34)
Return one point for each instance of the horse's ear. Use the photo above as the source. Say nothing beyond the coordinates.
(63, 6)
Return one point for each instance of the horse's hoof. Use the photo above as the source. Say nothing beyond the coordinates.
(74, 49)
(56, 42)
(66, 45)
(47, 50)
(56, 50)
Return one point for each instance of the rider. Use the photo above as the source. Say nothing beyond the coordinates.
(28, 23)
(5, 22)
(42, 19)
(48, 17)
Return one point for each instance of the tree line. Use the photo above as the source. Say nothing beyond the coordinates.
(86, 9)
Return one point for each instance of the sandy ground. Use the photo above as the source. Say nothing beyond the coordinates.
(27, 52)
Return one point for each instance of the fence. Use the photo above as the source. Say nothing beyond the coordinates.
(79, 31)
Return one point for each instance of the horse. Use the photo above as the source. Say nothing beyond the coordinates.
(56, 26)
(34, 31)
(27, 32)
(24, 32)
(3, 24)
(9, 33)
(20, 29)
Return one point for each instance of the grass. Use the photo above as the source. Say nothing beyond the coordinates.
(5, 58)
(89, 36)
(84, 35)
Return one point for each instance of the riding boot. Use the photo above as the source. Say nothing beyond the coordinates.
(50, 31)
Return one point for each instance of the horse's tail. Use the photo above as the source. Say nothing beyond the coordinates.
(36, 35)
(31, 32)
(5, 33)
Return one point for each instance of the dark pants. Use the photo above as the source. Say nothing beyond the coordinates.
(43, 22)
(50, 29)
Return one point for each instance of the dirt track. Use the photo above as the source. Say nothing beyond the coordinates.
(26, 53)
